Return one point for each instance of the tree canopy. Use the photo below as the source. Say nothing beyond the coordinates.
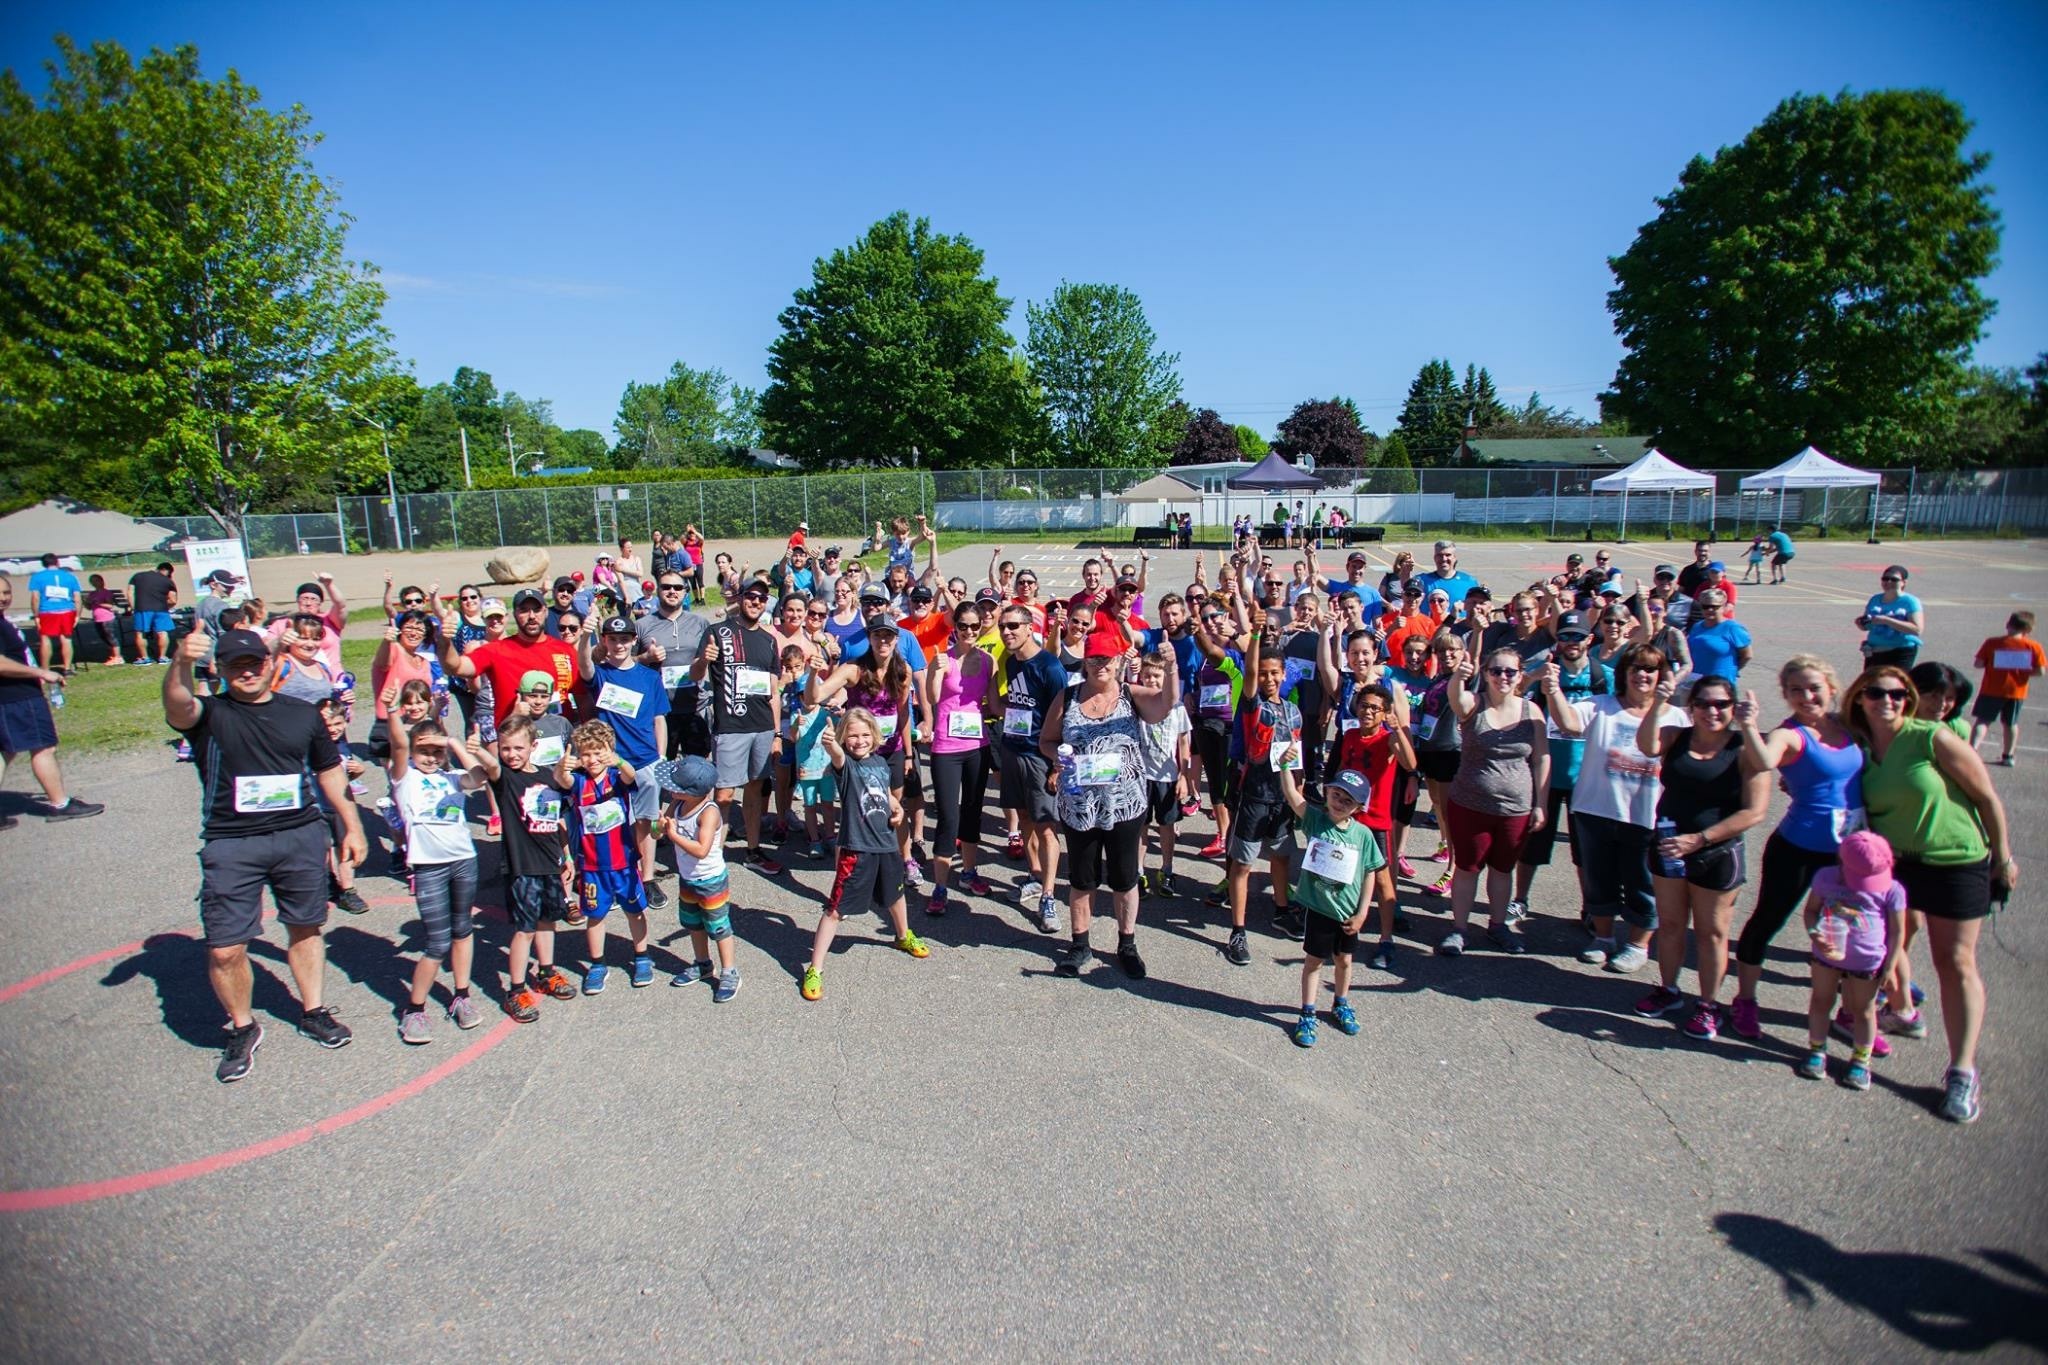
(690, 419)
(1432, 420)
(1102, 379)
(1817, 282)
(1326, 430)
(1207, 439)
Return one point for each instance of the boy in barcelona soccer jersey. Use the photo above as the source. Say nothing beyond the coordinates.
(601, 842)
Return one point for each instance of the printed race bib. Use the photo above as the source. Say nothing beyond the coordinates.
(1347, 724)
(755, 682)
(1331, 861)
(1848, 822)
(1098, 770)
(1284, 758)
(674, 676)
(623, 701)
(265, 794)
(1215, 699)
(965, 724)
(1425, 725)
(1073, 680)
(885, 726)
(603, 818)
(2021, 659)
(547, 750)
(1017, 721)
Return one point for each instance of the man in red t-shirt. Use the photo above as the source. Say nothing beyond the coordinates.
(505, 661)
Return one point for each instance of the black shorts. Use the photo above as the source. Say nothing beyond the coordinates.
(1957, 893)
(27, 726)
(1105, 857)
(1780, 561)
(865, 881)
(1212, 753)
(233, 872)
(1537, 843)
(1437, 765)
(1163, 798)
(1024, 790)
(380, 740)
(1327, 938)
(1717, 867)
(689, 729)
(1989, 710)
(1407, 791)
(903, 776)
(533, 901)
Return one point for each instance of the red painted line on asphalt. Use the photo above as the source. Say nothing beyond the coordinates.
(91, 960)
(57, 1196)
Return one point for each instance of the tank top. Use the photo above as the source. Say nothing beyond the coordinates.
(1826, 787)
(1699, 792)
(1915, 805)
(1494, 777)
(960, 696)
(294, 679)
(711, 866)
(1102, 799)
(889, 713)
(1435, 724)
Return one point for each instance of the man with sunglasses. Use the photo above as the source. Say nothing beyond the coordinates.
(669, 638)
(1033, 677)
(739, 656)
(561, 602)
(792, 574)
(505, 661)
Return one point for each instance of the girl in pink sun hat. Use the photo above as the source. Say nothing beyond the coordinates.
(1856, 917)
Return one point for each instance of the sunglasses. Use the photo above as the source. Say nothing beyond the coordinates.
(411, 601)
(672, 587)
(753, 597)
(568, 627)
(1713, 703)
(1503, 672)
(471, 597)
(1027, 582)
(1645, 671)
(1014, 625)
(1894, 694)
(817, 615)
(1891, 578)
(966, 627)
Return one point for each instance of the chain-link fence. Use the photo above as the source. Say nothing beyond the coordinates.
(1548, 503)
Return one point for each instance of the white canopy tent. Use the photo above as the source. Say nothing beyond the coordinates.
(1656, 472)
(1811, 469)
(63, 526)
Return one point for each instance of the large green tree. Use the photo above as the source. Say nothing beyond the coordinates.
(1816, 282)
(1432, 420)
(1327, 431)
(897, 346)
(177, 309)
(1482, 402)
(1102, 379)
(690, 419)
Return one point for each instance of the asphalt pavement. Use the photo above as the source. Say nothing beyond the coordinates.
(968, 1157)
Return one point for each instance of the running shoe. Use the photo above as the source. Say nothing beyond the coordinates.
(1074, 958)
(935, 904)
(351, 900)
(1742, 1018)
(1290, 923)
(1705, 1023)
(1443, 852)
(814, 983)
(575, 919)
(522, 1006)
(1662, 1000)
(1442, 885)
(766, 865)
(1595, 954)
(1964, 1097)
(1015, 848)
(494, 826)
(1814, 1067)
(593, 980)
(1237, 951)
(1128, 958)
(974, 884)
(238, 1054)
(1629, 959)
(913, 872)
(1451, 945)
(1425, 819)
(1211, 850)
(1518, 910)
(464, 1012)
(552, 980)
(912, 944)
(1844, 1028)
(1028, 893)
(1169, 885)
(1048, 915)
(1305, 1029)
(323, 1028)
(1913, 1025)
(1855, 1076)
(77, 808)
(728, 986)
(1345, 1017)
(657, 899)
(413, 1027)
(692, 974)
(643, 972)
(1189, 807)
(1382, 959)
(1506, 940)
(1405, 868)
(815, 851)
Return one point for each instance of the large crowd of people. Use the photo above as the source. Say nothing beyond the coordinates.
(617, 729)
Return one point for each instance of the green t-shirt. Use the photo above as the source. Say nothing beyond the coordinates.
(1918, 807)
(1348, 848)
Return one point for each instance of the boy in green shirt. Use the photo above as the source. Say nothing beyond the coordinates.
(1334, 870)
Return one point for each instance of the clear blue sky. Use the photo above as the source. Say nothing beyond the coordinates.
(1308, 199)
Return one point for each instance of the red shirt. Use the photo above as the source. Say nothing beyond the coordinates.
(1372, 755)
(1726, 586)
(933, 632)
(2006, 683)
(505, 661)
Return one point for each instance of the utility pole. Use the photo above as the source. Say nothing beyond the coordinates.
(511, 456)
(463, 433)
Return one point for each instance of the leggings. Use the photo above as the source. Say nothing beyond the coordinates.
(1614, 855)
(105, 631)
(1212, 751)
(959, 789)
(1787, 873)
(444, 892)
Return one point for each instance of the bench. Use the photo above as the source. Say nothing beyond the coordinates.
(1153, 535)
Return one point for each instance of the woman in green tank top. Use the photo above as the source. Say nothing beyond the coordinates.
(1927, 792)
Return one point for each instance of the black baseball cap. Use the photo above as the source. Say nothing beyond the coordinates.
(240, 644)
(313, 588)
(1572, 626)
(874, 592)
(616, 625)
(1665, 571)
(528, 597)
(921, 595)
(222, 576)
(565, 582)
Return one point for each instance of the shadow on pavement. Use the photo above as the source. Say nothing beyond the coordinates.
(176, 965)
(1942, 1304)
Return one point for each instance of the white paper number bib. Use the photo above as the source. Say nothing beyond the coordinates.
(755, 682)
(674, 676)
(547, 751)
(885, 726)
(603, 818)
(1331, 861)
(964, 724)
(263, 794)
(1017, 721)
(619, 700)
(1098, 770)
(1215, 699)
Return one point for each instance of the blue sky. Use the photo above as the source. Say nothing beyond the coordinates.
(1309, 199)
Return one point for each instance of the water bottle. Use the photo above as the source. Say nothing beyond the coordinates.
(1667, 867)
(1069, 777)
(56, 691)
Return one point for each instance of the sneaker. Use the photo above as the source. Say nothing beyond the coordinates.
(643, 972)
(1345, 1017)
(1290, 923)
(1048, 915)
(1074, 958)
(1844, 1028)
(1382, 959)
(1595, 954)
(323, 1028)
(1443, 852)
(1451, 945)
(593, 980)
(1964, 1099)
(1405, 868)
(1305, 1029)
(1663, 1000)
(464, 1012)
(1028, 893)
(522, 1006)
(814, 983)
(1814, 1067)
(1015, 849)
(1128, 958)
(1856, 1076)
(935, 904)
(765, 865)
(1237, 951)
(1912, 1025)
(1169, 885)
(351, 900)
(1705, 1023)
(657, 899)
(1211, 850)
(413, 1026)
(1629, 959)
(728, 986)
(2005, 760)
(1742, 1018)
(1919, 995)
(1425, 819)
(74, 809)
(692, 974)
(974, 884)
(1518, 910)
(912, 944)
(815, 852)
(494, 826)
(1506, 940)
(575, 919)
(238, 1054)
(1442, 885)
(554, 981)
(913, 872)
(1189, 807)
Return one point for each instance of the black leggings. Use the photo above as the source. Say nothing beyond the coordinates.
(959, 789)
(1781, 886)
(1212, 751)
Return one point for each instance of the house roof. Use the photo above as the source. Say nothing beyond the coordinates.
(1617, 451)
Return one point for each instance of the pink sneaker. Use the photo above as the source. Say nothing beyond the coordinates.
(1705, 1023)
(1845, 1030)
(1442, 854)
(1405, 868)
(1742, 1018)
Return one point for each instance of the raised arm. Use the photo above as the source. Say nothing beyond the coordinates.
(1764, 752)
(1651, 738)
(181, 705)
(1462, 702)
(1155, 704)
(1562, 709)
(454, 662)
(1326, 660)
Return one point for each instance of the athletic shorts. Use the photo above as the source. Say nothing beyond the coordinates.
(233, 872)
(1717, 867)
(1988, 710)
(1480, 839)
(1780, 561)
(154, 623)
(743, 758)
(1260, 833)
(689, 729)
(1537, 843)
(1437, 765)
(26, 725)
(1327, 938)
(56, 625)
(533, 901)
(1105, 858)
(1956, 893)
(865, 881)
(904, 777)
(598, 890)
(643, 800)
(701, 906)
(1162, 796)
(1024, 790)
(817, 791)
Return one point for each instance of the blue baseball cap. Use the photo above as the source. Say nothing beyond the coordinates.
(687, 776)
(1354, 784)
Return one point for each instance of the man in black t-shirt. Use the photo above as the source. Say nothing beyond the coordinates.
(746, 711)
(152, 593)
(259, 755)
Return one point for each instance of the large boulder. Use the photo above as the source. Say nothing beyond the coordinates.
(518, 564)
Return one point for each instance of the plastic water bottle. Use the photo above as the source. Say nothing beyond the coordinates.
(1069, 777)
(1667, 867)
(56, 691)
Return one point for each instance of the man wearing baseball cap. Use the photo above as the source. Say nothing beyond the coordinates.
(561, 600)
(504, 662)
(259, 757)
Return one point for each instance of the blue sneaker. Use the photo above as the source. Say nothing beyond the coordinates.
(593, 980)
(1305, 1029)
(692, 974)
(1857, 1075)
(1346, 1017)
(643, 972)
(728, 986)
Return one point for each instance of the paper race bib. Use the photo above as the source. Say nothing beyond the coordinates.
(1214, 699)
(674, 676)
(547, 751)
(263, 794)
(1284, 758)
(1017, 721)
(1425, 725)
(1331, 861)
(1848, 822)
(964, 724)
(2021, 659)
(885, 726)
(1347, 724)
(1073, 679)
(1098, 770)
(603, 818)
(619, 700)
(755, 682)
